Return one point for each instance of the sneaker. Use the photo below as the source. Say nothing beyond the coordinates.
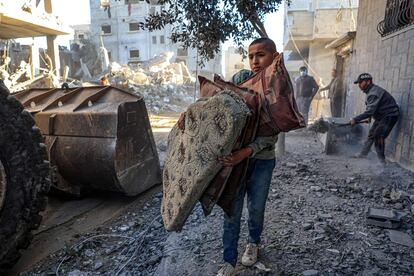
(226, 270)
(250, 255)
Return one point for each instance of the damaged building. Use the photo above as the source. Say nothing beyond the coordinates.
(383, 46)
(21, 19)
(309, 26)
(116, 25)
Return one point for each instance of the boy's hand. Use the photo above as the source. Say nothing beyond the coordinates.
(236, 157)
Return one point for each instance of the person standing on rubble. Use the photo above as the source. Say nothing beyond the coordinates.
(334, 96)
(306, 89)
(261, 154)
(381, 106)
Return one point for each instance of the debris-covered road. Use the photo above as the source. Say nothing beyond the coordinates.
(315, 223)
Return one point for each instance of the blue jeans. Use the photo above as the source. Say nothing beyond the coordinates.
(258, 178)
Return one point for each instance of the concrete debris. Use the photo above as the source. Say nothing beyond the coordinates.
(97, 265)
(261, 267)
(401, 238)
(165, 86)
(76, 273)
(311, 272)
(307, 226)
(157, 71)
(385, 218)
(337, 219)
(333, 251)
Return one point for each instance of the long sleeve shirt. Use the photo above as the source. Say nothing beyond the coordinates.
(379, 104)
(263, 147)
(306, 87)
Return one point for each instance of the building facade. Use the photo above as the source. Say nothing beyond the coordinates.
(385, 49)
(309, 26)
(81, 32)
(234, 62)
(22, 19)
(116, 22)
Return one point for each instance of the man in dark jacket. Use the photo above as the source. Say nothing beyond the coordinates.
(381, 106)
(306, 89)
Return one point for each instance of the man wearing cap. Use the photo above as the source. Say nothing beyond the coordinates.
(381, 106)
(306, 89)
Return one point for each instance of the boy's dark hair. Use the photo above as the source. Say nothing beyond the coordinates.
(270, 44)
(303, 68)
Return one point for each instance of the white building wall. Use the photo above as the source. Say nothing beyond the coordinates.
(121, 40)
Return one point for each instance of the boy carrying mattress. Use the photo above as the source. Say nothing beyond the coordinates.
(261, 154)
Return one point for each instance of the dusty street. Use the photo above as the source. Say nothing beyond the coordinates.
(315, 223)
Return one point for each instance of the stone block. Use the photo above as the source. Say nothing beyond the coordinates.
(401, 238)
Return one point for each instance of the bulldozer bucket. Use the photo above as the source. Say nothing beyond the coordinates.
(97, 138)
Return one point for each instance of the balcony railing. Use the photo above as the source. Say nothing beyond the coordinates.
(399, 14)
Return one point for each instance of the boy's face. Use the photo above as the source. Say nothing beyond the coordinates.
(260, 57)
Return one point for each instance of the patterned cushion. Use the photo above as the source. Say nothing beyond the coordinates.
(212, 127)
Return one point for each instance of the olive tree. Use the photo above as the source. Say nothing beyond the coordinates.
(204, 25)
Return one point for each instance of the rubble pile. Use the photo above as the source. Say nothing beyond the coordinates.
(315, 224)
(165, 86)
(165, 98)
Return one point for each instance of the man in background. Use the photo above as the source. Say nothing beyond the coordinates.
(334, 95)
(306, 89)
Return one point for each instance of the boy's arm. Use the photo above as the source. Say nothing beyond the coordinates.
(259, 144)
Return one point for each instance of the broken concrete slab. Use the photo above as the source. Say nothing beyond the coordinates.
(384, 218)
(382, 214)
(401, 238)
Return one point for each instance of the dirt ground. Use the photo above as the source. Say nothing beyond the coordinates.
(315, 225)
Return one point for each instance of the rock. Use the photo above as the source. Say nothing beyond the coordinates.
(399, 206)
(400, 238)
(307, 226)
(97, 265)
(395, 195)
(349, 180)
(291, 165)
(316, 188)
(89, 253)
(386, 193)
(157, 224)
(412, 209)
(262, 267)
(311, 272)
(77, 272)
(325, 216)
(162, 146)
(333, 251)
(123, 228)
